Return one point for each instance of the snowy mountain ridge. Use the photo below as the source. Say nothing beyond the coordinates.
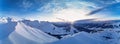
(44, 32)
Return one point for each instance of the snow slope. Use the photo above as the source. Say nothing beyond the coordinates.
(33, 34)
(19, 33)
(105, 37)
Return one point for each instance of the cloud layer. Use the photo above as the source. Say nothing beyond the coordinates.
(65, 9)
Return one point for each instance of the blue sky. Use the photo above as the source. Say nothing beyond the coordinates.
(60, 8)
(21, 7)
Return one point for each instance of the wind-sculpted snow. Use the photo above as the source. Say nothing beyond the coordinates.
(32, 34)
(19, 33)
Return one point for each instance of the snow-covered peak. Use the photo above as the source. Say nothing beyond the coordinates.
(3, 20)
(7, 19)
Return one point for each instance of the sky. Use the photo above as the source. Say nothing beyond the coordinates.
(54, 10)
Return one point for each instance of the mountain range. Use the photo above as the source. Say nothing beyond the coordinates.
(87, 31)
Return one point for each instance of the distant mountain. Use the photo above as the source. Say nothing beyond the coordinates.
(90, 25)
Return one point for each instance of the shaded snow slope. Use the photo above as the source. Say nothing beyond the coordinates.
(104, 37)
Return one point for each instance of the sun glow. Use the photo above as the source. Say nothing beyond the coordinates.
(72, 14)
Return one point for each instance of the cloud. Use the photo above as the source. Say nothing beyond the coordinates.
(117, 0)
(65, 9)
(71, 10)
(71, 14)
(26, 4)
(105, 7)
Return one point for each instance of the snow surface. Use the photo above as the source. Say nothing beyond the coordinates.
(88, 38)
(41, 32)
